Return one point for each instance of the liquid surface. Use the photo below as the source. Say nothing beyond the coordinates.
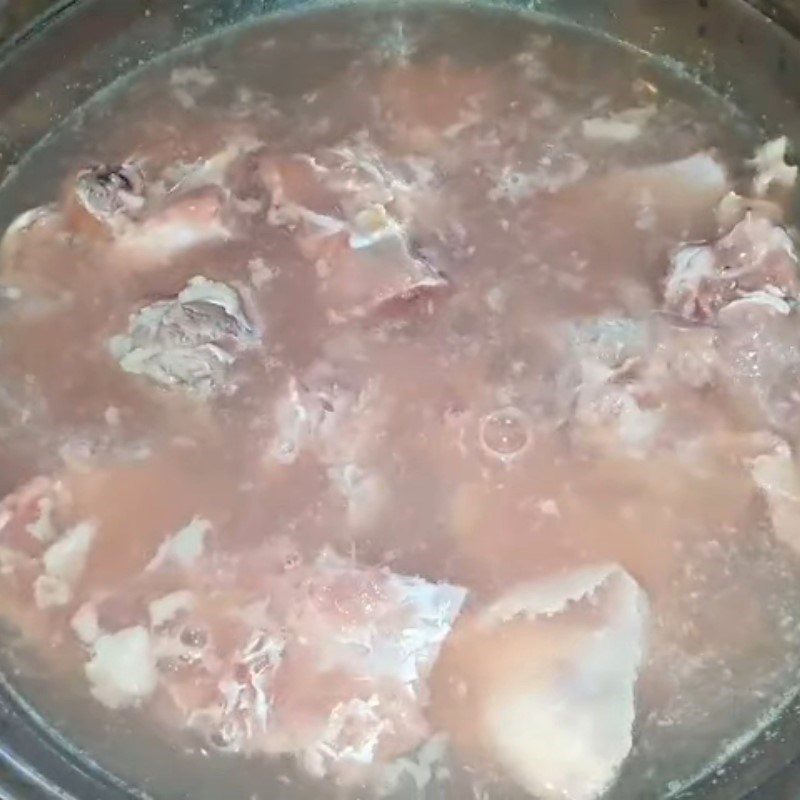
(402, 404)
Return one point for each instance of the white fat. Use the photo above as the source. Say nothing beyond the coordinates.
(431, 610)
(66, 558)
(769, 163)
(260, 272)
(566, 734)
(85, 624)
(623, 127)
(609, 417)
(51, 592)
(122, 671)
(637, 427)
(42, 528)
(183, 548)
(165, 609)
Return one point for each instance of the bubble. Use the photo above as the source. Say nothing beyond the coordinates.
(196, 638)
(505, 433)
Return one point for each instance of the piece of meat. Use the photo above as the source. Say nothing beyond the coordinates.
(733, 208)
(759, 352)
(357, 281)
(676, 199)
(112, 196)
(335, 421)
(776, 474)
(354, 214)
(425, 105)
(755, 256)
(189, 341)
(605, 402)
(33, 250)
(122, 670)
(152, 221)
(621, 127)
(771, 168)
(627, 216)
(220, 169)
(45, 551)
(191, 219)
(329, 412)
(327, 661)
(542, 682)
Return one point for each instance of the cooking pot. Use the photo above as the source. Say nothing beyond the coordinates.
(749, 51)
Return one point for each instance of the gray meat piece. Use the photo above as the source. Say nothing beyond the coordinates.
(188, 341)
(111, 194)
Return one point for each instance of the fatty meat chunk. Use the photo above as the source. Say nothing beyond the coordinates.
(355, 214)
(755, 256)
(189, 341)
(771, 168)
(330, 664)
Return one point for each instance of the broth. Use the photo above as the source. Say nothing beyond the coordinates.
(401, 402)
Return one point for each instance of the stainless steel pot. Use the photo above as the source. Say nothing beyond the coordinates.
(747, 50)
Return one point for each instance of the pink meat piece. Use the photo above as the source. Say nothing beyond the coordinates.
(260, 653)
(756, 255)
(759, 351)
(354, 214)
